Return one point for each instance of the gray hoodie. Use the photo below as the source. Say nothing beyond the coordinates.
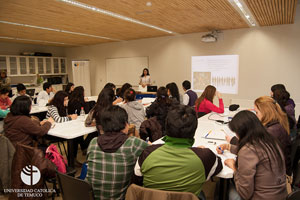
(136, 113)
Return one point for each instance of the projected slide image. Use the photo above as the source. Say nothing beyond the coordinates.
(223, 81)
(201, 80)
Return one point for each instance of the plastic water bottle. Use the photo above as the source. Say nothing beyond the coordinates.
(82, 114)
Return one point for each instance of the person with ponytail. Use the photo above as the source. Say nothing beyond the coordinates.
(259, 169)
(205, 102)
(160, 107)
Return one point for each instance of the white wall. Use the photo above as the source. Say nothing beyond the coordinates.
(17, 48)
(268, 55)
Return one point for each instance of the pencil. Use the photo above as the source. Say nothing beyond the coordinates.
(207, 134)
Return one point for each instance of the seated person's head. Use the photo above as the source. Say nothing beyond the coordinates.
(114, 119)
(186, 85)
(4, 93)
(21, 89)
(21, 106)
(129, 95)
(181, 122)
(47, 87)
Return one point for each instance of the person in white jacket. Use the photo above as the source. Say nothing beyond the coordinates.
(45, 96)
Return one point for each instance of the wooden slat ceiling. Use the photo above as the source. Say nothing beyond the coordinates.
(180, 16)
(273, 12)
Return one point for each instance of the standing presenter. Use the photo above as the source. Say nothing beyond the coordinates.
(145, 78)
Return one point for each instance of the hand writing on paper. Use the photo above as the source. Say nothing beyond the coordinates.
(230, 163)
(221, 148)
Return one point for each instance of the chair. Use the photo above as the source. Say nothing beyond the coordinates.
(135, 192)
(294, 195)
(73, 188)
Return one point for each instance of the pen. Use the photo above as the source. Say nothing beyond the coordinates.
(221, 150)
(207, 134)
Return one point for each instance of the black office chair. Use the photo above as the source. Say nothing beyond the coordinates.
(74, 188)
(294, 195)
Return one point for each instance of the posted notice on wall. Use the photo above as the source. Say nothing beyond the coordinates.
(220, 71)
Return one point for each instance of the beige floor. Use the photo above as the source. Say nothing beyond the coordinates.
(208, 188)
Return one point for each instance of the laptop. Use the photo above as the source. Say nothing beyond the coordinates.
(30, 92)
(151, 88)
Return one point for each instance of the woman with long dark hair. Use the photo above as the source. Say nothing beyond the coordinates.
(205, 102)
(259, 172)
(58, 108)
(145, 78)
(105, 99)
(77, 101)
(160, 107)
(69, 88)
(173, 92)
(124, 87)
(19, 127)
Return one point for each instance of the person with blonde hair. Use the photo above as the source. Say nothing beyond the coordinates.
(275, 121)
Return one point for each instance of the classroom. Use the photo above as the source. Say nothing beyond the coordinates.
(166, 36)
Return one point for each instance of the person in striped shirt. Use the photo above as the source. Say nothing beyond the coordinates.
(58, 108)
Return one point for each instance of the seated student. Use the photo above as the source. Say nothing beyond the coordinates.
(5, 102)
(105, 99)
(76, 102)
(113, 87)
(176, 165)
(124, 87)
(159, 108)
(282, 97)
(21, 91)
(19, 127)
(44, 97)
(58, 108)
(276, 124)
(112, 156)
(189, 96)
(69, 88)
(173, 92)
(259, 173)
(205, 102)
(134, 109)
(282, 87)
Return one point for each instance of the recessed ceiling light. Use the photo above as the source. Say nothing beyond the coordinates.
(44, 41)
(58, 30)
(149, 3)
(244, 11)
(112, 14)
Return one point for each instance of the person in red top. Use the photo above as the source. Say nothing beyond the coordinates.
(205, 102)
(5, 102)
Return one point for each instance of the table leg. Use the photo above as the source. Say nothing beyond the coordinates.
(223, 189)
(71, 160)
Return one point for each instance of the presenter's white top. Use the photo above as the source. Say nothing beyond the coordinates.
(44, 97)
(145, 80)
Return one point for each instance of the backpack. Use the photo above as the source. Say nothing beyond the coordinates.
(55, 157)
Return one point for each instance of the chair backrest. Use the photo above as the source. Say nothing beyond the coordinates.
(73, 188)
(294, 195)
(135, 192)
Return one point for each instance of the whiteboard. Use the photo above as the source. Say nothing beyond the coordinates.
(219, 71)
(125, 70)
